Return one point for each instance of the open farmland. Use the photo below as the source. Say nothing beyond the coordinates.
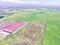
(50, 17)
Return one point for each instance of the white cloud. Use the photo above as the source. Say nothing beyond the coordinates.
(35, 1)
(9, 0)
(19, 1)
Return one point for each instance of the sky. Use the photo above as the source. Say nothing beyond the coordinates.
(54, 1)
(47, 2)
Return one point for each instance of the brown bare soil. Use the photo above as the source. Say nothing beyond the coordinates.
(32, 35)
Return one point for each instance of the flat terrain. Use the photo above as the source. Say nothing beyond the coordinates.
(50, 17)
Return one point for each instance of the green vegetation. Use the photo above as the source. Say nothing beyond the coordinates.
(49, 16)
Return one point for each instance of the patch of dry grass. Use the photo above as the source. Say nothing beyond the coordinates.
(32, 35)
